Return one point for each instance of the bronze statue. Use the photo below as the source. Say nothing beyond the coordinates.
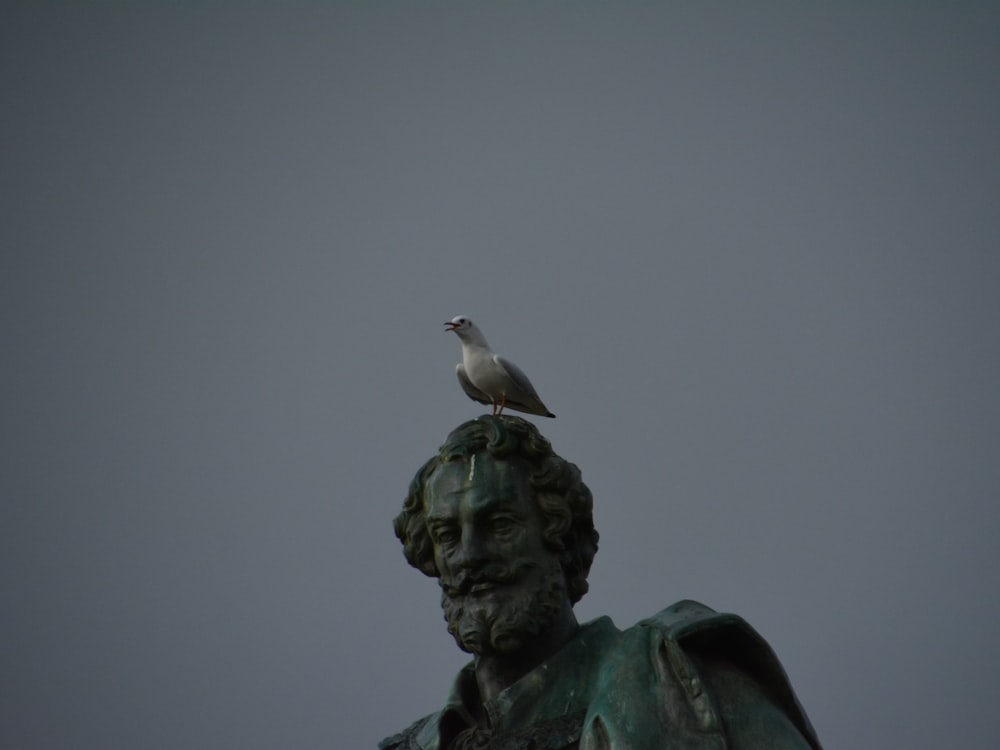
(506, 527)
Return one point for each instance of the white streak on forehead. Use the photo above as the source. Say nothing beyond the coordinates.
(472, 467)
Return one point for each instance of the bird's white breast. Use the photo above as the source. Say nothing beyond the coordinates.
(483, 371)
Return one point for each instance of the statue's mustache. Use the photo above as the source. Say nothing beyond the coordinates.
(493, 574)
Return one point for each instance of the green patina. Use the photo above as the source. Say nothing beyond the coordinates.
(497, 495)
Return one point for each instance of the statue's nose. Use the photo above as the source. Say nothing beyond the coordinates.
(472, 552)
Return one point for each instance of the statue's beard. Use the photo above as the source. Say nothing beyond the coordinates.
(502, 619)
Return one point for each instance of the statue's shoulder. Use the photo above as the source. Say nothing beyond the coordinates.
(694, 636)
(685, 617)
(699, 628)
(419, 735)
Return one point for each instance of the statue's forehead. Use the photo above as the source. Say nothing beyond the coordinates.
(479, 476)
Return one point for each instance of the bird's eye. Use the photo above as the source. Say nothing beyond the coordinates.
(462, 321)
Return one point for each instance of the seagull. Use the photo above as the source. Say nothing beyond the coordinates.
(488, 378)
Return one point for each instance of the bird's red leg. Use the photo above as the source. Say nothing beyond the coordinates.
(503, 403)
(494, 407)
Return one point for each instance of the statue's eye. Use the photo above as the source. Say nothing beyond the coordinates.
(504, 526)
(445, 536)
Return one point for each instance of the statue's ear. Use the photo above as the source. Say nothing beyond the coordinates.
(558, 520)
(429, 568)
(418, 548)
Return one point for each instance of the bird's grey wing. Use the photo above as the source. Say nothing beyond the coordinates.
(519, 379)
(470, 390)
(522, 396)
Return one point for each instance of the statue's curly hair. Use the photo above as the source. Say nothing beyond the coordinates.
(563, 498)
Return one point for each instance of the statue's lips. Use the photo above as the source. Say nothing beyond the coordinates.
(477, 588)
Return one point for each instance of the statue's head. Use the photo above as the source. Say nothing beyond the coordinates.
(506, 526)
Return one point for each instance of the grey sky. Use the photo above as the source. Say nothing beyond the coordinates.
(748, 254)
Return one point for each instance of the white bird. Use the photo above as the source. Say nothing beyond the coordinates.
(488, 378)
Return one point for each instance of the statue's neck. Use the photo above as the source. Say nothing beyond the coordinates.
(496, 672)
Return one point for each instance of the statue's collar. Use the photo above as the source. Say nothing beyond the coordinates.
(556, 689)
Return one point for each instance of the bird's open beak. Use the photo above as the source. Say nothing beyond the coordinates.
(451, 327)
